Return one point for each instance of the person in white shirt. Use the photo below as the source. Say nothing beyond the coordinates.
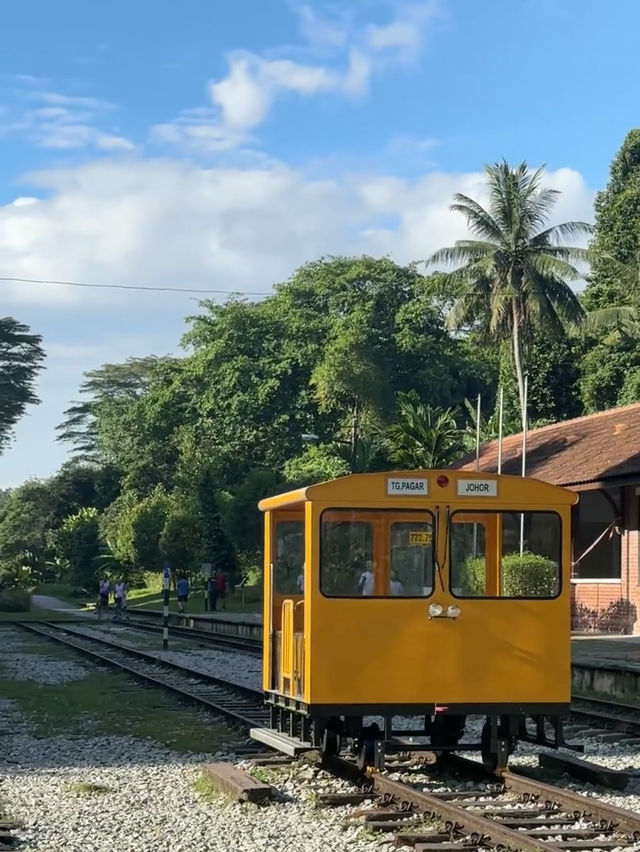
(395, 585)
(120, 596)
(365, 583)
(300, 581)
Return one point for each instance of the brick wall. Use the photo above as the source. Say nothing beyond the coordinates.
(612, 607)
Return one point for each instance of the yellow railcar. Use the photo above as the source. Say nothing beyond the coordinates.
(435, 594)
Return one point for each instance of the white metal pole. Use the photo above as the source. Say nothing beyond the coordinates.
(478, 415)
(524, 452)
(478, 411)
(500, 414)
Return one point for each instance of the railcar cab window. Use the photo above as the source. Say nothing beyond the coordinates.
(376, 553)
(288, 561)
(505, 554)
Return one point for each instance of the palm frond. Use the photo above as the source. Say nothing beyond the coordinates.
(479, 220)
(604, 319)
(566, 230)
(467, 251)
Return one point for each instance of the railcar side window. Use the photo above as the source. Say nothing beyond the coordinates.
(288, 557)
(347, 555)
(376, 553)
(505, 554)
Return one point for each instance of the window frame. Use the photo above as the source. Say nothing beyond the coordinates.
(387, 511)
(509, 511)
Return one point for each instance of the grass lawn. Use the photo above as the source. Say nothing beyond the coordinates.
(251, 601)
(106, 702)
(150, 597)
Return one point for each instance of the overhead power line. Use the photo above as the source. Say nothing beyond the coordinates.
(130, 287)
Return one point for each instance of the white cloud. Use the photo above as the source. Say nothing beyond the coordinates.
(173, 224)
(61, 122)
(404, 34)
(321, 32)
(170, 224)
(351, 53)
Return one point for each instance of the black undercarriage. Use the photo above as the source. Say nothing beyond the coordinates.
(439, 729)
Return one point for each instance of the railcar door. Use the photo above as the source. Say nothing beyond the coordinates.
(285, 604)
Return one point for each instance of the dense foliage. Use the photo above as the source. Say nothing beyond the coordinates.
(353, 364)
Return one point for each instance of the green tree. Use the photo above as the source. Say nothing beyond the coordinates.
(616, 239)
(315, 464)
(515, 276)
(181, 541)
(216, 545)
(25, 518)
(21, 358)
(423, 437)
(77, 543)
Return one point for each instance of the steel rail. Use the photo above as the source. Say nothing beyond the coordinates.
(474, 819)
(240, 643)
(237, 700)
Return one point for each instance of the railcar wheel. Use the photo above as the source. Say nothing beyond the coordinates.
(365, 754)
(365, 746)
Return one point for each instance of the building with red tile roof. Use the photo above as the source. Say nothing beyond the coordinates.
(598, 456)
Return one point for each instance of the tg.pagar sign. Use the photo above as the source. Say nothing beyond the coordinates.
(407, 487)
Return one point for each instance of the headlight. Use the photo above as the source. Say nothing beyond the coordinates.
(434, 610)
(453, 611)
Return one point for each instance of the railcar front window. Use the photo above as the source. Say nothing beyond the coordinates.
(288, 560)
(367, 553)
(505, 554)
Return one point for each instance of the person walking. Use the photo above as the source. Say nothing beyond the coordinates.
(213, 594)
(220, 579)
(182, 589)
(119, 598)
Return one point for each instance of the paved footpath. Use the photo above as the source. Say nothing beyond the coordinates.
(45, 602)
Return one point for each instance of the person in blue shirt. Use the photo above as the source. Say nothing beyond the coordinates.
(182, 588)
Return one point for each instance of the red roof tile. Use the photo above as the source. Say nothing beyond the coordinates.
(596, 448)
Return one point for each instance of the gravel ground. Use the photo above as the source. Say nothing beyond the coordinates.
(87, 793)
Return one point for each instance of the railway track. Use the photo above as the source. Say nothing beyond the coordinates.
(205, 637)
(603, 713)
(238, 704)
(505, 812)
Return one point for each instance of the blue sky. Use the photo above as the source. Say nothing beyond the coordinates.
(219, 145)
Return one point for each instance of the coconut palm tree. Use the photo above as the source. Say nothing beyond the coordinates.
(516, 274)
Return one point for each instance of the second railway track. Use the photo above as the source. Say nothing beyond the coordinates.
(234, 702)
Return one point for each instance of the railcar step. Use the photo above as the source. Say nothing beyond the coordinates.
(280, 742)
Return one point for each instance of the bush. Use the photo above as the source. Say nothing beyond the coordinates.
(471, 577)
(14, 600)
(528, 576)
